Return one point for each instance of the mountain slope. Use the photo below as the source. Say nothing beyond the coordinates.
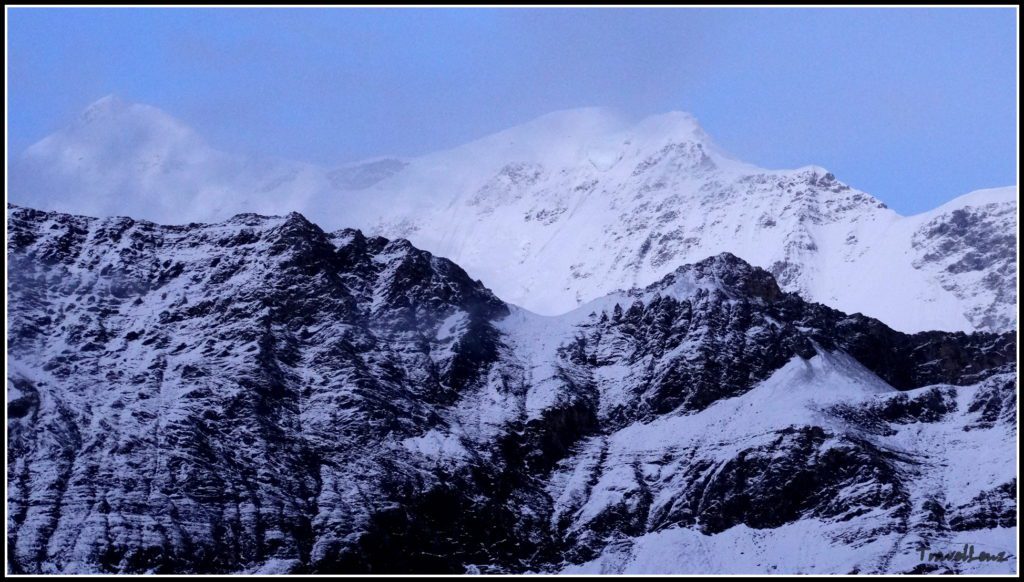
(552, 217)
(260, 395)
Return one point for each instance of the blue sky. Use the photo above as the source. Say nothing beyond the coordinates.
(915, 106)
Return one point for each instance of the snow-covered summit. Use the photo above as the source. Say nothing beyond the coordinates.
(110, 129)
(1001, 196)
(566, 208)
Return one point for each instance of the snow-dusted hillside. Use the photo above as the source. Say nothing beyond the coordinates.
(260, 395)
(567, 208)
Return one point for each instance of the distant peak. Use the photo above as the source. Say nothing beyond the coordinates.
(1005, 195)
(103, 106)
(111, 99)
(116, 129)
(813, 169)
(113, 107)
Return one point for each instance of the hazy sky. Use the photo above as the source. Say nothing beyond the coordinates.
(915, 106)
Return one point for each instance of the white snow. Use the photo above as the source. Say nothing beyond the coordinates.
(451, 325)
(951, 464)
(437, 445)
(535, 339)
(793, 396)
(804, 547)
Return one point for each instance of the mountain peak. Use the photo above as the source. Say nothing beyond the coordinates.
(724, 271)
(1005, 195)
(107, 105)
(113, 113)
(107, 102)
(112, 123)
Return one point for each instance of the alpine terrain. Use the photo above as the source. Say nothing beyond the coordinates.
(565, 209)
(261, 395)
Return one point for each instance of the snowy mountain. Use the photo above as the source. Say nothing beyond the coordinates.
(565, 209)
(259, 395)
(132, 159)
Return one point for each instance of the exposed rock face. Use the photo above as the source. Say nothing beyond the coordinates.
(261, 395)
(194, 394)
(971, 250)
